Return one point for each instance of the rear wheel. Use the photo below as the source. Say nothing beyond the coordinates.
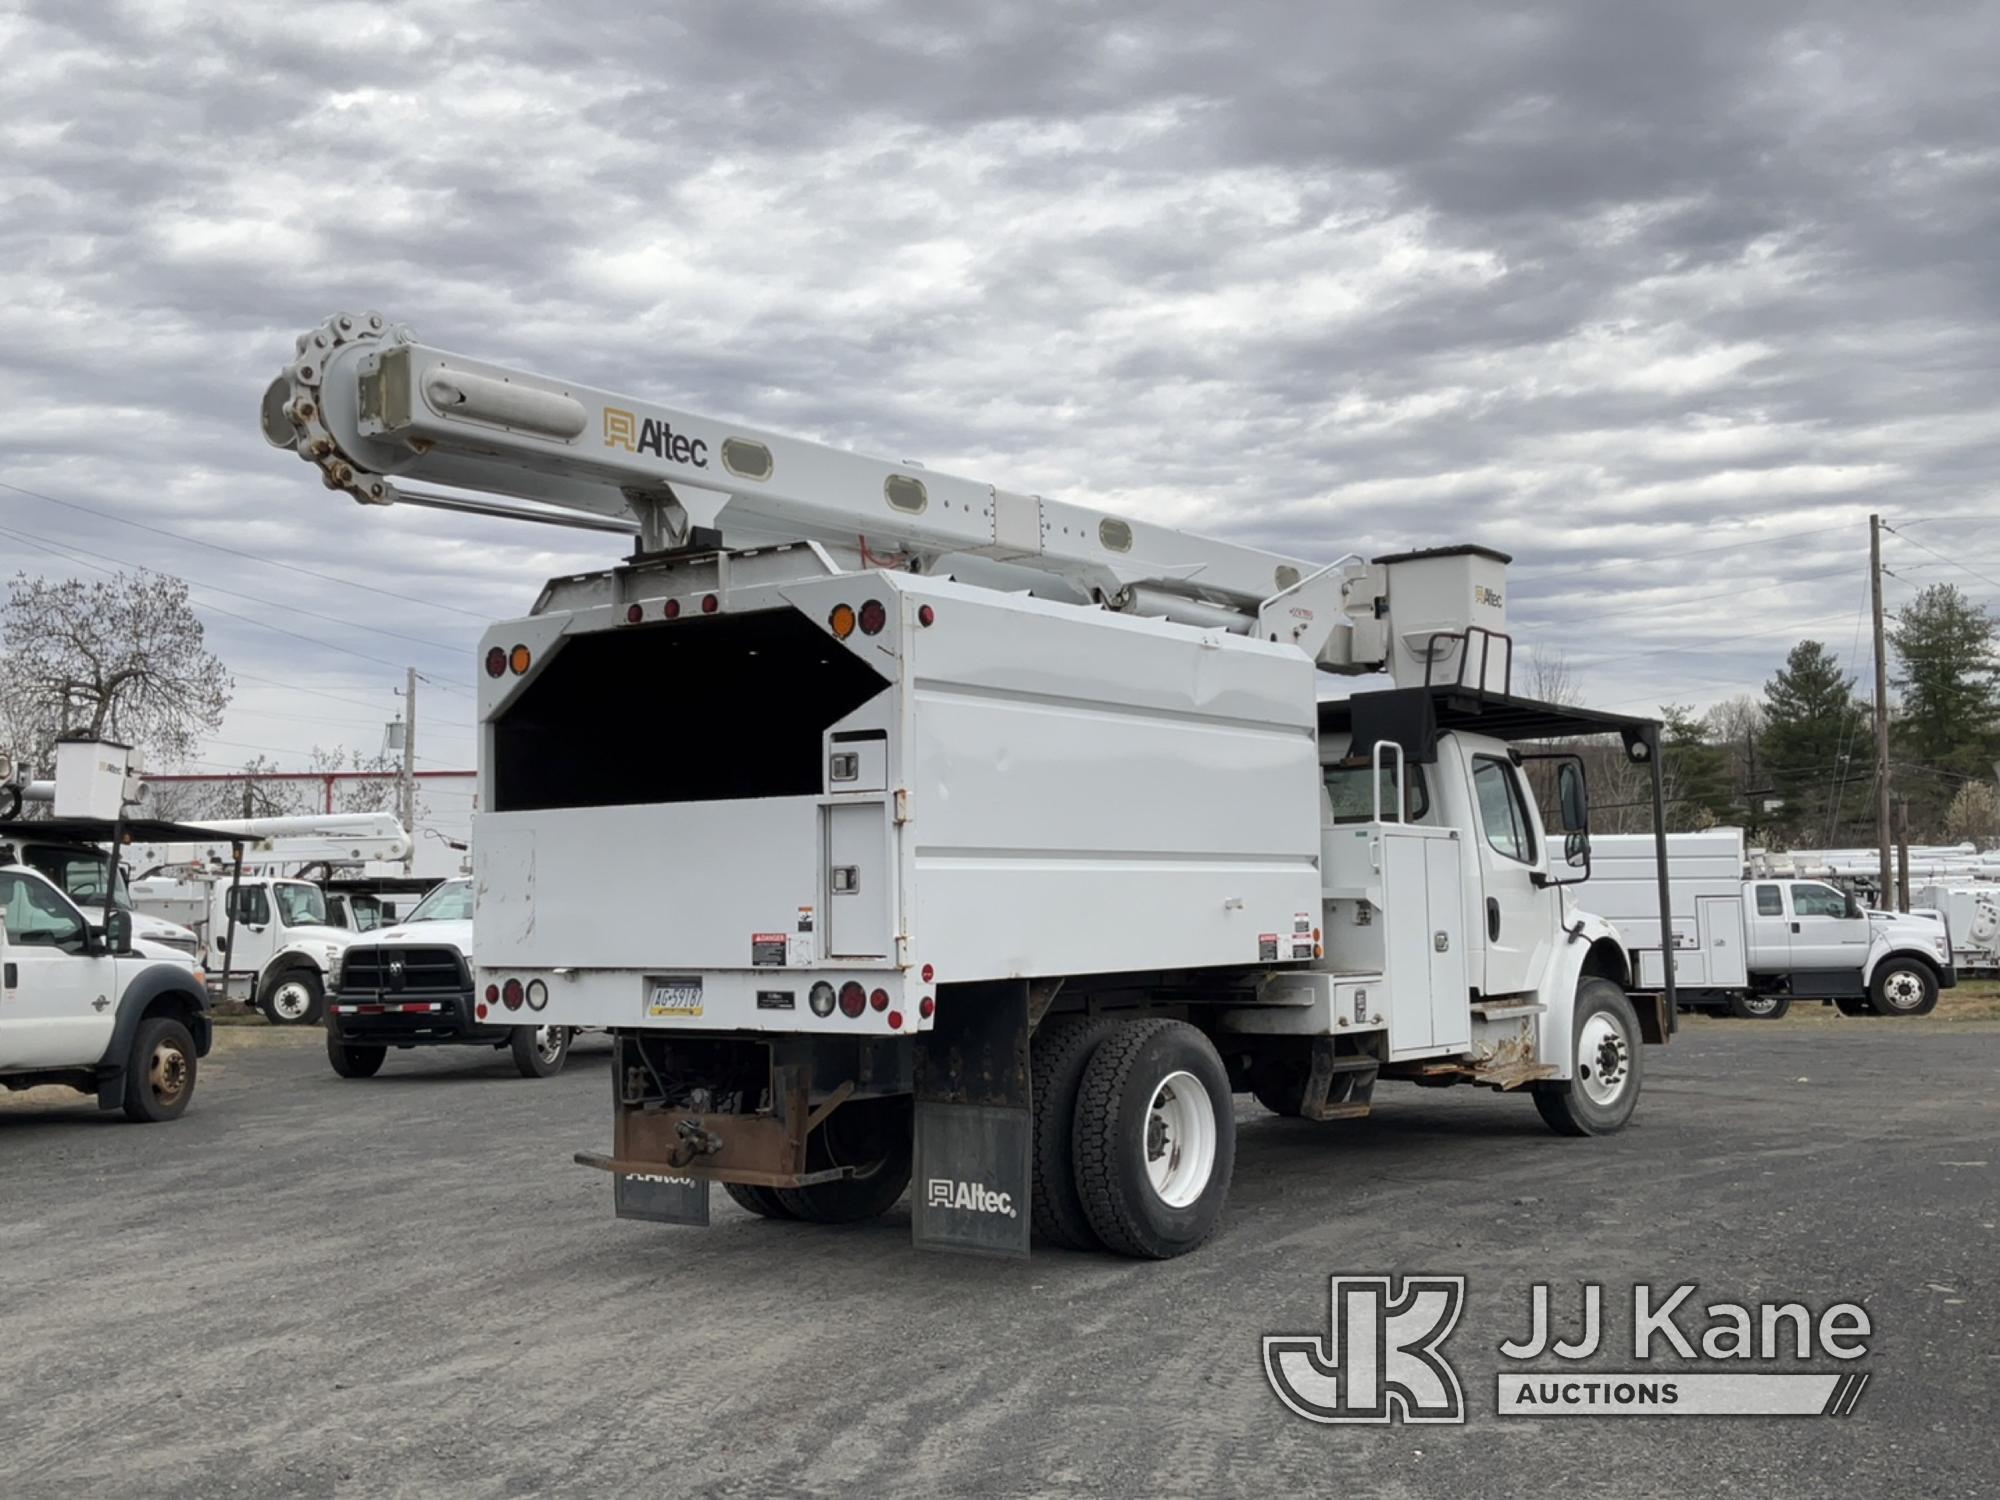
(1155, 1139)
(159, 1071)
(1604, 1089)
(1279, 1082)
(294, 998)
(540, 1051)
(1061, 1051)
(1750, 1006)
(762, 1201)
(874, 1137)
(1903, 987)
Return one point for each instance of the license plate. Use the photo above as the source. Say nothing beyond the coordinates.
(675, 995)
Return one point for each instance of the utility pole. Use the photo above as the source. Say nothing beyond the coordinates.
(1902, 854)
(1882, 831)
(409, 765)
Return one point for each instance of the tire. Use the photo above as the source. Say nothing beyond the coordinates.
(1903, 987)
(1752, 1007)
(1155, 1139)
(540, 1051)
(1605, 1030)
(354, 1062)
(1279, 1084)
(1060, 1053)
(296, 997)
(877, 1138)
(159, 1071)
(762, 1201)
(1853, 1005)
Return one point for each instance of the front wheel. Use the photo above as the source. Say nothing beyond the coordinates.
(354, 1062)
(1603, 1090)
(1155, 1139)
(1853, 1005)
(1903, 987)
(1750, 1006)
(159, 1071)
(540, 1051)
(294, 998)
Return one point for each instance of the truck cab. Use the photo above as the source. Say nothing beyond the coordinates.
(1809, 939)
(78, 870)
(96, 1010)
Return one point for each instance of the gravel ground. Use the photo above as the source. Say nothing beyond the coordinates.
(403, 1286)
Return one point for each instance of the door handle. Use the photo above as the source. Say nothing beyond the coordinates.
(1492, 919)
(1795, 927)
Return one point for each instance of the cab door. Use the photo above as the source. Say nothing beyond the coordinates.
(1823, 935)
(256, 937)
(1518, 917)
(1769, 928)
(58, 997)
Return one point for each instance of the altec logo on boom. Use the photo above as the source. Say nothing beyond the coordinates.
(623, 429)
(1381, 1359)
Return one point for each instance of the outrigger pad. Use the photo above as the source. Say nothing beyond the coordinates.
(974, 1165)
(660, 1198)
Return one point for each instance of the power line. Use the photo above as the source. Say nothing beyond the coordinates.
(272, 562)
(1982, 577)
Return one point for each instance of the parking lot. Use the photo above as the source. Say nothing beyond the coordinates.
(310, 1286)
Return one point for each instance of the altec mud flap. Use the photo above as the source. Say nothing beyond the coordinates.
(973, 1170)
(660, 1198)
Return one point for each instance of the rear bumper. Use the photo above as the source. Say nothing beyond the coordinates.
(409, 1019)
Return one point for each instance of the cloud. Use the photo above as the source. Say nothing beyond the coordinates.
(1662, 300)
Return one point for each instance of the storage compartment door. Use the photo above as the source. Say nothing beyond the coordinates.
(1721, 921)
(858, 908)
(1450, 999)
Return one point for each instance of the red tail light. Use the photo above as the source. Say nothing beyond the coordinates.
(926, 615)
(511, 994)
(672, 610)
(496, 662)
(853, 999)
(895, 1020)
(634, 614)
(880, 999)
(926, 1007)
(873, 617)
(492, 994)
(710, 604)
(929, 973)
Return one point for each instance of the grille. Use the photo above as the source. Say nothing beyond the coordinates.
(390, 970)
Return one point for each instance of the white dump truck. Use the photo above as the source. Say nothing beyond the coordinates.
(1751, 947)
(904, 826)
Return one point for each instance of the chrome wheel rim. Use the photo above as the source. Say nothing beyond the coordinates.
(548, 1043)
(1180, 1139)
(1903, 990)
(1760, 1005)
(1603, 1059)
(167, 1073)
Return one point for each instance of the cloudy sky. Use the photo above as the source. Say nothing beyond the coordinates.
(1664, 299)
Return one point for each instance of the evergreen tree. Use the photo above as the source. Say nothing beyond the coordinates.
(1949, 722)
(1816, 748)
(1702, 773)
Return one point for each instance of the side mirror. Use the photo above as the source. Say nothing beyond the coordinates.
(118, 932)
(1854, 907)
(1574, 795)
(1576, 849)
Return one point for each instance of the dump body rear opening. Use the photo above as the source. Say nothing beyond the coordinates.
(689, 711)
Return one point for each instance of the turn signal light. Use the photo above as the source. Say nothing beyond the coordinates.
(496, 662)
(873, 617)
(841, 621)
(853, 999)
(518, 660)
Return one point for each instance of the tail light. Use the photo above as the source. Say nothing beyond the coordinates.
(672, 609)
(492, 994)
(926, 615)
(511, 994)
(853, 999)
(634, 614)
(926, 1007)
(710, 604)
(880, 999)
(496, 662)
(873, 617)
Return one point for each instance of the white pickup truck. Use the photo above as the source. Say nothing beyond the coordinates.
(97, 1011)
(1752, 947)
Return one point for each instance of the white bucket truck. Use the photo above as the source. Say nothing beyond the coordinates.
(900, 825)
(84, 1004)
(1752, 947)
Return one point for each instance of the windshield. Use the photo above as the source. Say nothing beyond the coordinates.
(79, 873)
(450, 902)
(299, 904)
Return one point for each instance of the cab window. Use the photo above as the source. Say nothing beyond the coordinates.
(1769, 902)
(249, 905)
(1817, 901)
(1351, 790)
(301, 905)
(39, 918)
(1503, 811)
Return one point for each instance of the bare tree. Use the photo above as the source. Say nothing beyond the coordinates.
(1974, 814)
(123, 659)
(1551, 678)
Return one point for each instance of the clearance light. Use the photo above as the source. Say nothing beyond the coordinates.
(634, 614)
(820, 998)
(496, 662)
(479, 1011)
(927, 1007)
(895, 1020)
(880, 999)
(710, 604)
(518, 660)
(929, 973)
(926, 616)
(672, 610)
(853, 999)
(841, 621)
(873, 617)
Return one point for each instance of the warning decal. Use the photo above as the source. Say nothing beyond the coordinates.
(767, 950)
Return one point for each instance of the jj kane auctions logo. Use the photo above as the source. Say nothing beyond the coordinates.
(1381, 1358)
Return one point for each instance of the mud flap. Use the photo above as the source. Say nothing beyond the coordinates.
(660, 1198)
(975, 1123)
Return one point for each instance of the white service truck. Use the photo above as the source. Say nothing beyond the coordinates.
(1752, 947)
(268, 939)
(900, 825)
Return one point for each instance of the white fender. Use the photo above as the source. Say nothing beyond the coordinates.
(1593, 935)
